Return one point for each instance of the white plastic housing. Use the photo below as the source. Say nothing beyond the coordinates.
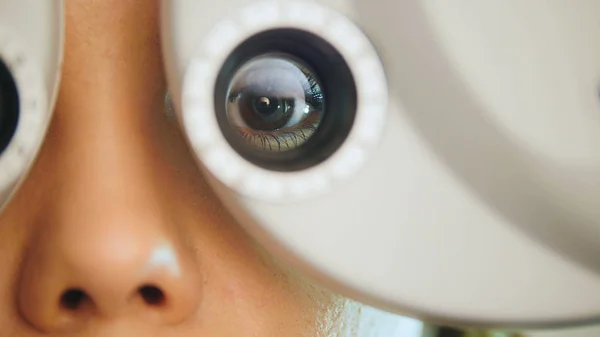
(31, 38)
(479, 206)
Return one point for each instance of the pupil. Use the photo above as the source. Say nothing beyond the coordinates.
(265, 106)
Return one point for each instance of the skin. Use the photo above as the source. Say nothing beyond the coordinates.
(115, 202)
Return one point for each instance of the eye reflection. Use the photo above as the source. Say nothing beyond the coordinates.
(274, 102)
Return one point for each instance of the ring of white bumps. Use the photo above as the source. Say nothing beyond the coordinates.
(200, 122)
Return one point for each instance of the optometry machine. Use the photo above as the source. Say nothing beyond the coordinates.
(436, 159)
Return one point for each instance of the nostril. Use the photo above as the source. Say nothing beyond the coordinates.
(152, 295)
(72, 299)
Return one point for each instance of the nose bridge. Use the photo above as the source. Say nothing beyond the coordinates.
(105, 199)
(106, 172)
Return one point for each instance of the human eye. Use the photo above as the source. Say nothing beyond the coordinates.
(275, 102)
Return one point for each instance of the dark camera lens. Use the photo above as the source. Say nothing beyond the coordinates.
(9, 106)
(285, 99)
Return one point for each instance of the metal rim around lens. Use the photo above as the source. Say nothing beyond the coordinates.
(201, 124)
(33, 117)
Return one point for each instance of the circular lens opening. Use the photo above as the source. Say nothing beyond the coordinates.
(9, 106)
(285, 99)
(275, 102)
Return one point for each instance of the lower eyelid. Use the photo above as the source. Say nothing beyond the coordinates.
(281, 139)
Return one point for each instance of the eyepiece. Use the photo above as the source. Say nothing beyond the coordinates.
(9, 106)
(285, 99)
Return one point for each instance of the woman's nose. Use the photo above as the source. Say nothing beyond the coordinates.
(111, 264)
(106, 273)
(106, 246)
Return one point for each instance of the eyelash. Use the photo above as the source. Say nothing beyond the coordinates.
(315, 93)
(283, 138)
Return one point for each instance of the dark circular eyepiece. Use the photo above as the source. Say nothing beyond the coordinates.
(285, 99)
(9, 106)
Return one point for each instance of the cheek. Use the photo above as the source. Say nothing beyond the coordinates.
(258, 300)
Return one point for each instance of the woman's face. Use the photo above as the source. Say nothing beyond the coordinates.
(115, 232)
